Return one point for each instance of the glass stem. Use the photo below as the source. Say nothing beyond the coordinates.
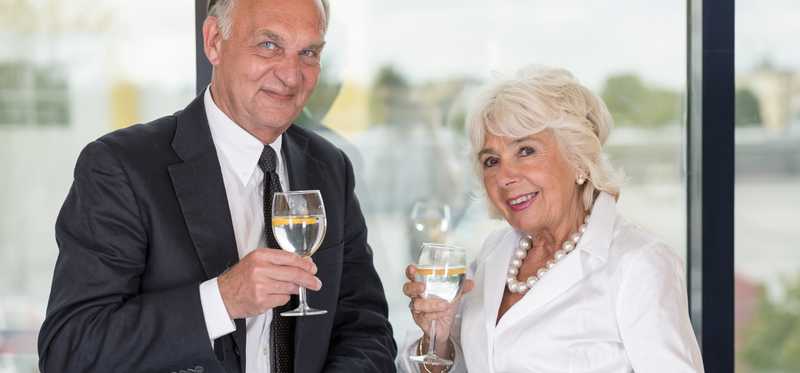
(432, 342)
(302, 294)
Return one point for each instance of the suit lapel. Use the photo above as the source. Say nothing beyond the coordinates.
(297, 162)
(201, 194)
(302, 176)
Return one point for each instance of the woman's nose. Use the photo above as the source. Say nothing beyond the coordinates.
(507, 175)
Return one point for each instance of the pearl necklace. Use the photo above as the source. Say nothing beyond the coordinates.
(525, 244)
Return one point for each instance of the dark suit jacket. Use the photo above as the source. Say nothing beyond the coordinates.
(147, 220)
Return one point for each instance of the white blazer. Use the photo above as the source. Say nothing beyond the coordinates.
(616, 304)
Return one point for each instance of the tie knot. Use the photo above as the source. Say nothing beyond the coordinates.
(267, 162)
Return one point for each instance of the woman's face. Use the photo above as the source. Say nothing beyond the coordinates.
(529, 181)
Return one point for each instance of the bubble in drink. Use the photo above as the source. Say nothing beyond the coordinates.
(441, 282)
(301, 235)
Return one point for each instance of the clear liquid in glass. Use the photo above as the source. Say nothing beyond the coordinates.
(301, 235)
(441, 282)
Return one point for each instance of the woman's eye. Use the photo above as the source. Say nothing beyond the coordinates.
(526, 151)
(489, 162)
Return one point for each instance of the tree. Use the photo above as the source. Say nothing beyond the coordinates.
(389, 98)
(632, 102)
(773, 339)
(748, 109)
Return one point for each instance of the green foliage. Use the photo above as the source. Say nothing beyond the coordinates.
(773, 339)
(748, 109)
(322, 98)
(389, 93)
(632, 102)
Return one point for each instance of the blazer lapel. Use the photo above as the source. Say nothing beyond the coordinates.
(303, 175)
(201, 194)
(297, 162)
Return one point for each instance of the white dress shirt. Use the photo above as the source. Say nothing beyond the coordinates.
(238, 152)
(616, 304)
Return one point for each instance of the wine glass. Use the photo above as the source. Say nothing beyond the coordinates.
(442, 268)
(298, 222)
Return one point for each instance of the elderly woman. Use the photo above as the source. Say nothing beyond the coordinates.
(569, 285)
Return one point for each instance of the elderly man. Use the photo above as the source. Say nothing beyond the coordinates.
(165, 261)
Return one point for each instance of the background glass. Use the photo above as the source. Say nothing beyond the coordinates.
(767, 236)
(71, 71)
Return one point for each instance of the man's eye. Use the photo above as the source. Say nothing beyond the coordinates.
(489, 162)
(309, 53)
(269, 45)
(526, 151)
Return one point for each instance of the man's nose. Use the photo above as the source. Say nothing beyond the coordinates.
(288, 71)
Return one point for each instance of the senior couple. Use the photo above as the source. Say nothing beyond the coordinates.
(166, 264)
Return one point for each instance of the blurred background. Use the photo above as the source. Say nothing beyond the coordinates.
(397, 79)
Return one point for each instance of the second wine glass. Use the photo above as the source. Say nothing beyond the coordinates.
(442, 268)
(299, 223)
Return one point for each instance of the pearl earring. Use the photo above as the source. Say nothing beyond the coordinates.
(581, 180)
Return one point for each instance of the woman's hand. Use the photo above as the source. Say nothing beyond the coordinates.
(426, 310)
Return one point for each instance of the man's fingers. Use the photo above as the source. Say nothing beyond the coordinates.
(285, 258)
(292, 275)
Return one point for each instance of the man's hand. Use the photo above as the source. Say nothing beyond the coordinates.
(264, 279)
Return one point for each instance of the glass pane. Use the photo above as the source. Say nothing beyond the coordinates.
(767, 260)
(397, 77)
(62, 66)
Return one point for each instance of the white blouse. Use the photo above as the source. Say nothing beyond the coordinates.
(616, 304)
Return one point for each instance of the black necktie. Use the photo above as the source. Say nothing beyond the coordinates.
(282, 328)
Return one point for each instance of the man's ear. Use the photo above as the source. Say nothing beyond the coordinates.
(212, 39)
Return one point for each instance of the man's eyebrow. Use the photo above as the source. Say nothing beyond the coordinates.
(272, 35)
(317, 46)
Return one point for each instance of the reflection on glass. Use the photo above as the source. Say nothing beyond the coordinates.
(767, 260)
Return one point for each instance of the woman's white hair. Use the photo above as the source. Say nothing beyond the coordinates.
(544, 98)
(222, 10)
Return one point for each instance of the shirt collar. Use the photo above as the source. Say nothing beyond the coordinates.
(240, 149)
(600, 227)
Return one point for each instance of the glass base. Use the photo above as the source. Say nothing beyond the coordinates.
(431, 359)
(304, 310)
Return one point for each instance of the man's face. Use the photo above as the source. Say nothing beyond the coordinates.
(266, 70)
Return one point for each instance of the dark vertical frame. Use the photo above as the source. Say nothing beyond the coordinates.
(710, 181)
(203, 77)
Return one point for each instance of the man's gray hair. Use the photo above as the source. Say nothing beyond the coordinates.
(222, 10)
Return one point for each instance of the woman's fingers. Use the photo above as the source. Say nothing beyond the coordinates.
(411, 272)
(413, 289)
(421, 305)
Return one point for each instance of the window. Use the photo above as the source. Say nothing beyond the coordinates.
(70, 72)
(767, 261)
(397, 79)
